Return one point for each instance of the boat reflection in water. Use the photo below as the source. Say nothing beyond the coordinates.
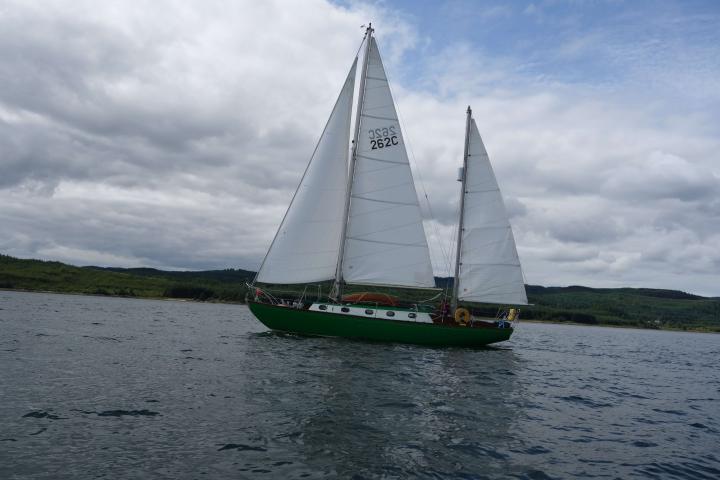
(372, 410)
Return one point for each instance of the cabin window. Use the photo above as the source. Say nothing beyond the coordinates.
(345, 309)
(323, 307)
(390, 313)
(369, 312)
(412, 315)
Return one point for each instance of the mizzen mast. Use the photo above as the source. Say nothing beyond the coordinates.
(463, 180)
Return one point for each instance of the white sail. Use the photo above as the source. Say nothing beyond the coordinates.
(490, 269)
(385, 239)
(307, 244)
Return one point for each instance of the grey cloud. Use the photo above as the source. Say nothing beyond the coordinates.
(515, 207)
(591, 229)
(157, 235)
(128, 106)
(572, 255)
(663, 176)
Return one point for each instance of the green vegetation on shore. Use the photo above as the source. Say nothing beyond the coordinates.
(625, 307)
(37, 275)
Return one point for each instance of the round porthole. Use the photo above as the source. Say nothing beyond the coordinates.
(369, 312)
(323, 307)
(390, 314)
(345, 309)
(412, 315)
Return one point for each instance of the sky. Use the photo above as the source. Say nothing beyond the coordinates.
(172, 134)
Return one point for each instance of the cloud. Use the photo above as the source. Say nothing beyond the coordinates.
(173, 135)
(603, 178)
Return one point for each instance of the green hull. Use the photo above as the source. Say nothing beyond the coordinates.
(308, 322)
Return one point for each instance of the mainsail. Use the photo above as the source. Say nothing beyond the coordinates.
(372, 234)
(306, 246)
(489, 267)
(385, 242)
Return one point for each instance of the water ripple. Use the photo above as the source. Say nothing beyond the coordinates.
(147, 389)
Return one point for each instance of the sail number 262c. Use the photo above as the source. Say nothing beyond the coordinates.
(383, 137)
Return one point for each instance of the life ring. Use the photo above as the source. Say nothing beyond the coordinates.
(462, 316)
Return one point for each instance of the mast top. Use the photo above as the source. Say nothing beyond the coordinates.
(368, 29)
(469, 110)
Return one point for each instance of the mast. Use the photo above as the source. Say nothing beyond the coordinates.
(338, 285)
(454, 301)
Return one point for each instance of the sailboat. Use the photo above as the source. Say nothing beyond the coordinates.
(355, 219)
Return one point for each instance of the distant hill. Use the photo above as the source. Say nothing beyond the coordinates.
(442, 282)
(629, 307)
(646, 292)
(221, 285)
(227, 275)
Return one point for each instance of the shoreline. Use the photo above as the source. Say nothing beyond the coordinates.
(131, 297)
(610, 325)
(521, 321)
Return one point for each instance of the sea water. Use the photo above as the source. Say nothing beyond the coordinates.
(94, 387)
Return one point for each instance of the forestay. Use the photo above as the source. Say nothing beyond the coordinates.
(385, 239)
(490, 269)
(306, 246)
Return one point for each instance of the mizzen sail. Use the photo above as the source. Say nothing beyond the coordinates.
(489, 269)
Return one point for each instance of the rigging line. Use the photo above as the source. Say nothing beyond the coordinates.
(426, 300)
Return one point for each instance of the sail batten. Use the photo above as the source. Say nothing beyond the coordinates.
(302, 251)
(489, 268)
(383, 246)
